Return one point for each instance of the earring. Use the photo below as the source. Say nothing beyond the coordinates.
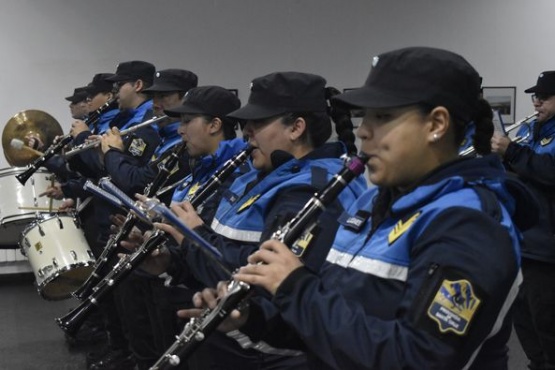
(435, 138)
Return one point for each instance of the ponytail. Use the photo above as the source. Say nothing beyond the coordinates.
(341, 115)
(483, 120)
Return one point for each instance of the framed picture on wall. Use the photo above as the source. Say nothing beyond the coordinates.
(503, 100)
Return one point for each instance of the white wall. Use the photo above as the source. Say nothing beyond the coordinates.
(51, 46)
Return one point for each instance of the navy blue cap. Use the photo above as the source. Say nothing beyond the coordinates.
(134, 70)
(282, 92)
(210, 100)
(173, 80)
(419, 75)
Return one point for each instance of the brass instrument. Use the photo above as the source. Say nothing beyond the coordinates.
(95, 143)
(471, 151)
(34, 123)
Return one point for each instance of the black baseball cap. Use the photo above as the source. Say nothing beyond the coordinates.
(210, 100)
(173, 80)
(79, 94)
(100, 84)
(417, 75)
(282, 92)
(545, 84)
(134, 70)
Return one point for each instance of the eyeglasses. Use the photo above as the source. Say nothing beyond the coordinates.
(119, 84)
(540, 97)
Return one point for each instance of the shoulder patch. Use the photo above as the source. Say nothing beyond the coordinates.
(546, 140)
(401, 227)
(137, 147)
(248, 203)
(454, 306)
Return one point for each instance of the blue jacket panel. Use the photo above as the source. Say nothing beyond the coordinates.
(533, 160)
(255, 206)
(202, 171)
(432, 281)
(103, 123)
(132, 175)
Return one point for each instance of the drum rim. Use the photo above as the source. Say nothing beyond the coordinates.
(41, 286)
(36, 222)
(17, 170)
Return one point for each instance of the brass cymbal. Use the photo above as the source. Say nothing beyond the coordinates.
(30, 122)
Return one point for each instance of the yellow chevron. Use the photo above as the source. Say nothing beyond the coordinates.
(546, 140)
(248, 203)
(193, 189)
(400, 228)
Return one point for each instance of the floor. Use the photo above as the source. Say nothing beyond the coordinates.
(30, 340)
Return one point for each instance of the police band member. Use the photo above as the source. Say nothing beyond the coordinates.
(424, 268)
(533, 160)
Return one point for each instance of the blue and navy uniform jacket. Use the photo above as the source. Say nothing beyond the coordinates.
(428, 286)
(533, 160)
(139, 145)
(72, 182)
(133, 176)
(256, 204)
(103, 123)
(203, 169)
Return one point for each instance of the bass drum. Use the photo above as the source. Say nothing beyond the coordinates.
(20, 204)
(59, 255)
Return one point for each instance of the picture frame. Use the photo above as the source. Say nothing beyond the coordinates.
(355, 113)
(502, 99)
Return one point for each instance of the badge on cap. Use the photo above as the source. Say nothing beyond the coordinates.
(250, 86)
(137, 147)
(375, 61)
(157, 74)
(454, 306)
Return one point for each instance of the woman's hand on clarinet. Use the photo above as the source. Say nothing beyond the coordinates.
(269, 266)
(186, 213)
(159, 259)
(208, 298)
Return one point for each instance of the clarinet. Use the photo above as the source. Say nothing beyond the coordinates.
(221, 175)
(197, 329)
(59, 145)
(71, 322)
(130, 221)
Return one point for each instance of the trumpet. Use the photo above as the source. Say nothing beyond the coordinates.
(291, 234)
(471, 151)
(95, 143)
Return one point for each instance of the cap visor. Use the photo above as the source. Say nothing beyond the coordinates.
(184, 109)
(161, 87)
(532, 89)
(371, 97)
(255, 112)
(117, 78)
